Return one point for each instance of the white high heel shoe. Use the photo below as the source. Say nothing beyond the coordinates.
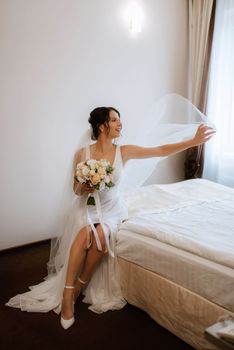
(68, 323)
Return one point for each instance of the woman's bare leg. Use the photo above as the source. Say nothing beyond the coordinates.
(77, 255)
(92, 259)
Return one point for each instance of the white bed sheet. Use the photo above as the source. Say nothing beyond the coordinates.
(185, 232)
(196, 216)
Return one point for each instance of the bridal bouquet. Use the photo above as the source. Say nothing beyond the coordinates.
(95, 173)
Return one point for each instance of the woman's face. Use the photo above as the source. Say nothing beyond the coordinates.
(114, 124)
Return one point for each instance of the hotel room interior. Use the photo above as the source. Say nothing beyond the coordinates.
(59, 59)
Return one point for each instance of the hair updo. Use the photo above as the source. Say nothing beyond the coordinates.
(99, 116)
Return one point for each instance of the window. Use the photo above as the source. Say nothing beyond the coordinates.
(219, 155)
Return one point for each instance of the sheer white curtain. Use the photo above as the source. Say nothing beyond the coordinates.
(219, 155)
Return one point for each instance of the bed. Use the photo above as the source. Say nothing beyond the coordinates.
(176, 255)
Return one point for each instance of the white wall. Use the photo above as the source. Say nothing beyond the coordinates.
(58, 60)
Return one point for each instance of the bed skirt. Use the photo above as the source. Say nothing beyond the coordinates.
(177, 309)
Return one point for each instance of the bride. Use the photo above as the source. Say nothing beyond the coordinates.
(85, 253)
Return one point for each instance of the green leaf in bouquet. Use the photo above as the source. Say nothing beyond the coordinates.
(91, 200)
(109, 169)
(110, 184)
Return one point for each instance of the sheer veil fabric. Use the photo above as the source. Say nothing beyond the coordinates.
(103, 290)
(172, 119)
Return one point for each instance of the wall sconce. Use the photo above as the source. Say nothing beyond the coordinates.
(134, 17)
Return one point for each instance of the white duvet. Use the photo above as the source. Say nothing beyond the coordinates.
(194, 215)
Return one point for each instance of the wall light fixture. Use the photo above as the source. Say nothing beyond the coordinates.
(134, 17)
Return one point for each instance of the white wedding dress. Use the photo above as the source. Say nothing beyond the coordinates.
(103, 290)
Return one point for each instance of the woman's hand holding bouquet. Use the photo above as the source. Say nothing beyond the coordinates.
(94, 175)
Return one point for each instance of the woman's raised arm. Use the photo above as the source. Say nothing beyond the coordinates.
(203, 134)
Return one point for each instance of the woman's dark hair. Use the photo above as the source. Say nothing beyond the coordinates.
(99, 116)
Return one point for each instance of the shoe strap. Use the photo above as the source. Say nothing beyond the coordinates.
(81, 281)
(69, 287)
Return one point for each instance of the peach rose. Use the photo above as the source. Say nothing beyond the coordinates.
(101, 171)
(95, 179)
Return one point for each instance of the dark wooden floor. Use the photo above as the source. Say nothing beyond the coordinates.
(129, 328)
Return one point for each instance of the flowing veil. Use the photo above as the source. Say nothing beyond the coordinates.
(171, 119)
(69, 204)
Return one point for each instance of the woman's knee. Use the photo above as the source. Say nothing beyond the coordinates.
(83, 238)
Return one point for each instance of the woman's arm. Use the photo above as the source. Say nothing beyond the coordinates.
(203, 134)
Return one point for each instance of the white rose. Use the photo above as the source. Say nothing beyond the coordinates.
(101, 186)
(104, 163)
(107, 179)
(79, 173)
(97, 165)
(85, 170)
(91, 163)
(101, 171)
(80, 179)
(93, 166)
